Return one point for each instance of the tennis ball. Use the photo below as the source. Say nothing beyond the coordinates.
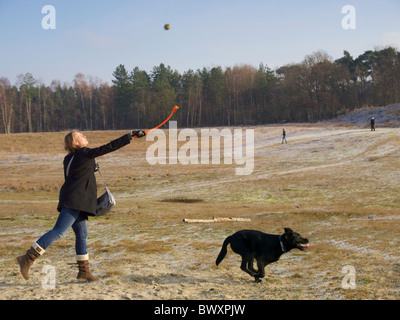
(166, 26)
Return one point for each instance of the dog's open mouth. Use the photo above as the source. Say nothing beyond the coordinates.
(303, 246)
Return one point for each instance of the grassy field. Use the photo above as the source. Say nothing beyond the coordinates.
(337, 186)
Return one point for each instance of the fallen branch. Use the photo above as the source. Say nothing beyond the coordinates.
(216, 220)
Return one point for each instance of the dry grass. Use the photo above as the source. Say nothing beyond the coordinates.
(336, 186)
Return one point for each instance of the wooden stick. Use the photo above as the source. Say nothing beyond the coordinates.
(216, 220)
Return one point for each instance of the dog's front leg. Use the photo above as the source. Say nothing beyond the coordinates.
(261, 271)
(250, 265)
(245, 262)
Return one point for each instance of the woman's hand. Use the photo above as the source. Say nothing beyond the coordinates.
(138, 134)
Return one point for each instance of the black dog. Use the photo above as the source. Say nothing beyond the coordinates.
(264, 248)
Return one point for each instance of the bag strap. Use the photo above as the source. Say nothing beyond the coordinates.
(101, 176)
(69, 164)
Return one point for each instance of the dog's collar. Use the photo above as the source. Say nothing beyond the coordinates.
(282, 246)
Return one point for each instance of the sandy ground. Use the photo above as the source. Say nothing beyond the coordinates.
(335, 185)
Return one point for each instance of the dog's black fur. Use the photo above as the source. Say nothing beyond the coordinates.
(262, 247)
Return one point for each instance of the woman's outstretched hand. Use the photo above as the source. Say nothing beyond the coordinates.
(138, 133)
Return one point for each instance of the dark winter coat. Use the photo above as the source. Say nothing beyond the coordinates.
(79, 191)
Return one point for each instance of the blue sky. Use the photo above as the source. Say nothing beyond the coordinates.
(94, 37)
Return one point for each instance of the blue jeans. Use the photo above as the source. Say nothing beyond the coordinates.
(66, 219)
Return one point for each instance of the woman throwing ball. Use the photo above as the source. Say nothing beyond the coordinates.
(77, 200)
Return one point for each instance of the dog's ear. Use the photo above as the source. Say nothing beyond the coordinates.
(288, 230)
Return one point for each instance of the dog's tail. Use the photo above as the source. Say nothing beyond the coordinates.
(223, 252)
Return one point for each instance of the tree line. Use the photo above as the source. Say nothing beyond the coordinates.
(317, 88)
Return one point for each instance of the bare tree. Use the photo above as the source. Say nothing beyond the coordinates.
(28, 90)
(82, 88)
(6, 106)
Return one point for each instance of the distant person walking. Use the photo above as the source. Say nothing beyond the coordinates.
(284, 136)
(372, 124)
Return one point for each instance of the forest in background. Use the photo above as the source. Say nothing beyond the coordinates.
(318, 88)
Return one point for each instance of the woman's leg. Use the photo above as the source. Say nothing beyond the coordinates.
(66, 219)
(82, 256)
(80, 231)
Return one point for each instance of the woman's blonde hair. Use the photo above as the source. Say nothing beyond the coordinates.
(69, 141)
